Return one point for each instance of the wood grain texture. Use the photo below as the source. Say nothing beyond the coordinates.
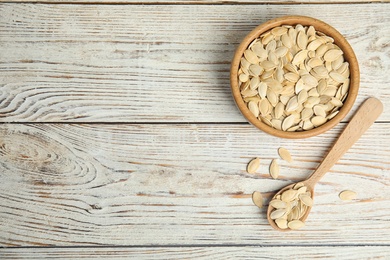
(228, 252)
(193, 2)
(147, 185)
(176, 189)
(139, 63)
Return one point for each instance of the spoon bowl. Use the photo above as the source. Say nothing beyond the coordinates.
(289, 187)
(361, 121)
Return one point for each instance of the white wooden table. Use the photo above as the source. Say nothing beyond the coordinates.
(119, 136)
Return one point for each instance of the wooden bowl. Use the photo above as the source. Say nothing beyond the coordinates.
(339, 40)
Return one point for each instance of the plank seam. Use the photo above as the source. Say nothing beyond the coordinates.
(142, 123)
(201, 245)
(190, 3)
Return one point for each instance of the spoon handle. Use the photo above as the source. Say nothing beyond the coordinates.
(360, 122)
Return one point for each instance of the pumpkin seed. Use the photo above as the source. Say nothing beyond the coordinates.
(274, 169)
(260, 51)
(266, 120)
(313, 93)
(291, 76)
(253, 165)
(330, 116)
(277, 213)
(272, 97)
(268, 65)
(314, 62)
(302, 40)
(255, 70)
(289, 195)
(279, 31)
(306, 113)
(302, 96)
(251, 57)
(347, 195)
(281, 51)
(299, 57)
(285, 154)
(311, 31)
(307, 200)
(314, 45)
(292, 32)
(332, 55)
(337, 76)
(276, 123)
(243, 77)
(321, 50)
(272, 57)
(286, 40)
(292, 104)
(309, 80)
(337, 63)
(254, 108)
(321, 71)
(279, 109)
(307, 125)
(267, 37)
(301, 190)
(288, 122)
(278, 204)
(254, 82)
(319, 111)
(295, 224)
(257, 199)
(299, 86)
(262, 87)
(318, 120)
(311, 102)
(281, 223)
(245, 64)
(264, 107)
(248, 93)
(336, 102)
(298, 185)
(284, 99)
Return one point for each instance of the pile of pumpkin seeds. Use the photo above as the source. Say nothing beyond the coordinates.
(290, 207)
(294, 78)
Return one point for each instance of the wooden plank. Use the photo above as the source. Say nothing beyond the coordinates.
(240, 252)
(192, 2)
(68, 185)
(136, 63)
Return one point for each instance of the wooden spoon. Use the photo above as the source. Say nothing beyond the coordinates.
(368, 112)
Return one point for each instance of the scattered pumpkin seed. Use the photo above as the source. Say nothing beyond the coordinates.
(274, 169)
(257, 199)
(253, 165)
(285, 154)
(347, 195)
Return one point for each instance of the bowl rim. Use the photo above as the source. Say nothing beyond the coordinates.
(349, 55)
